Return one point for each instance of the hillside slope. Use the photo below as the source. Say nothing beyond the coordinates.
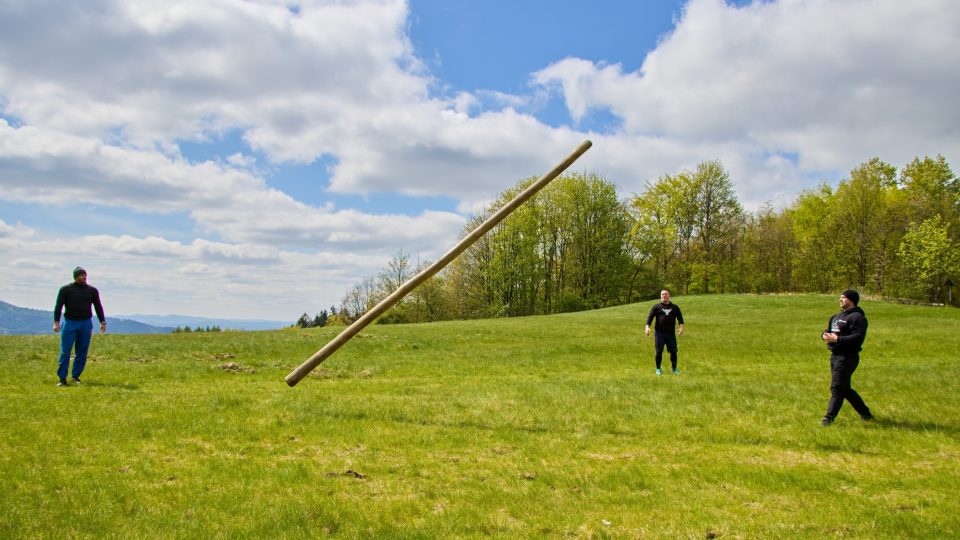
(532, 427)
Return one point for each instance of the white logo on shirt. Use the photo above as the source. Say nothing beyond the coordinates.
(666, 311)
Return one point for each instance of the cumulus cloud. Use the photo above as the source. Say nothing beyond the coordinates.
(331, 78)
(201, 277)
(97, 101)
(55, 168)
(782, 90)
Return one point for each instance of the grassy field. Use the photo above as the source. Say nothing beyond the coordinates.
(521, 428)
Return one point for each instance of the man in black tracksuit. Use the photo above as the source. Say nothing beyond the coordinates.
(666, 315)
(844, 336)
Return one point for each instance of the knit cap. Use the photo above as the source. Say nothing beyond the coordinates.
(852, 296)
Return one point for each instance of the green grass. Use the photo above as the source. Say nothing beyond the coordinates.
(513, 428)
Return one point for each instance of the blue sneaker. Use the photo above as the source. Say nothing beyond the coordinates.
(676, 371)
(658, 371)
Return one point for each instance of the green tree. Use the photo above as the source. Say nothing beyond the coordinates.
(665, 223)
(930, 256)
(719, 221)
(930, 189)
(861, 219)
(683, 211)
(564, 249)
(816, 266)
(768, 251)
(689, 226)
(653, 233)
(595, 262)
(468, 277)
(430, 300)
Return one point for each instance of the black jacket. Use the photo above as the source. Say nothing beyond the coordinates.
(667, 315)
(78, 299)
(851, 329)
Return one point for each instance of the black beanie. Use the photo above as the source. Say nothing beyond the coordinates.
(77, 271)
(852, 296)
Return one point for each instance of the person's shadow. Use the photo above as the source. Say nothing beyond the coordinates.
(920, 427)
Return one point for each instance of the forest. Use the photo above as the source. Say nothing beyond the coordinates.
(579, 245)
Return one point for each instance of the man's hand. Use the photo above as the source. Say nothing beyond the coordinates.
(103, 327)
(648, 330)
(681, 329)
(830, 337)
(56, 326)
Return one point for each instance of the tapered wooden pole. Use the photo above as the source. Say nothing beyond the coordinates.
(294, 377)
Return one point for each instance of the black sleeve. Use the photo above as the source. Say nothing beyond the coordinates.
(651, 315)
(97, 306)
(58, 307)
(857, 332)
(679, 314)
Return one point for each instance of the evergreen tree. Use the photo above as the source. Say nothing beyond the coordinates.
(304, 321)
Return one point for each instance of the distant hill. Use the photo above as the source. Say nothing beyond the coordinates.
(174, 321)
(19, 320)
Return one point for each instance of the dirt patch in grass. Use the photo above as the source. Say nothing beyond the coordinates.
(233, 367)
(328, 373)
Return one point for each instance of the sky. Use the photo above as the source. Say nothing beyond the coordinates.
(255, 159)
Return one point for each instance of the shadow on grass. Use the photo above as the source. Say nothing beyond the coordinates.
(920, 427)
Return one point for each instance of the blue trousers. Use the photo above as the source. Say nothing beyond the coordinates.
(74, 333)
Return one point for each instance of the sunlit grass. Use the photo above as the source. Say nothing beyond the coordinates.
(541, 426)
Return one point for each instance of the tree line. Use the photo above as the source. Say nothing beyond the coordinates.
(577, 245)
(188, 330)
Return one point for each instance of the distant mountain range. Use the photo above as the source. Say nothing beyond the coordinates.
(19, 320)
(203, 322)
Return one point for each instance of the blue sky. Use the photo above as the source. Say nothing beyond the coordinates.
(473, 45)
(255, 159)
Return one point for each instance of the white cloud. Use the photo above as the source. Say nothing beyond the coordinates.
(337, 78)
(160, 276)
(97, 99)
(831, 83)
(54, 168)
(174, 69)
(14, 232)
(33, 264)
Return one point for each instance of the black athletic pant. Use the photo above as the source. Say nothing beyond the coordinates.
(841, 370)
(670, 340)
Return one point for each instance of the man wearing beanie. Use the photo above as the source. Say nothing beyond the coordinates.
(844, 336)
(77, 298)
